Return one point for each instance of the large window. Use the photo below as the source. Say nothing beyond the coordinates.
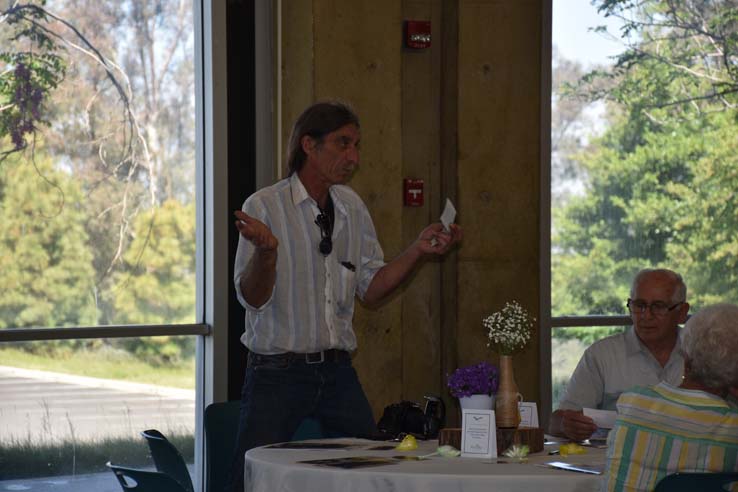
(644, 162)
(98, 173)
(99, 223)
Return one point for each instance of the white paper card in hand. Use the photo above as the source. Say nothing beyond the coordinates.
(448, 216)
(604, 419)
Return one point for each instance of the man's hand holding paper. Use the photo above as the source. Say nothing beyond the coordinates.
(441, 238)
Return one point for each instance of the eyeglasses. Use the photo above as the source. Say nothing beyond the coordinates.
(326, 243)
(657, 308)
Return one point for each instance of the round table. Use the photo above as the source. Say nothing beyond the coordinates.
(271, 469)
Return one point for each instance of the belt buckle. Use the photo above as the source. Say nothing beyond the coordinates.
(309, 360)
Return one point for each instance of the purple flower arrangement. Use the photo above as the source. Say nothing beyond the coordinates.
(479, 379)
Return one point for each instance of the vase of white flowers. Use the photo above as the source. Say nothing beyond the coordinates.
(507, 414)
(508, 332)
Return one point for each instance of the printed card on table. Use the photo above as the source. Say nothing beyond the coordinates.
(478, 434)
(528, 414)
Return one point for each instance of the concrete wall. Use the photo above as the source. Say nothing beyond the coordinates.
(464, 115)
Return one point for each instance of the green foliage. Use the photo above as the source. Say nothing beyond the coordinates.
(28, 73)
(157, 283)
(97, 359)
(681, 56)
(662, 178)
(46, 277)
(668, 202)
(705, 233)
(588, 335)
(104, 130)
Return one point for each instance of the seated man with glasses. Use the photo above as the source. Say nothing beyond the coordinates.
(307, 248)
(645, 354)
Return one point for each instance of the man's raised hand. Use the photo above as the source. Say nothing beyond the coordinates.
(255, 231)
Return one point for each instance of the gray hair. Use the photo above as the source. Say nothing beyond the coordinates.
(709, 344)
(680, 288)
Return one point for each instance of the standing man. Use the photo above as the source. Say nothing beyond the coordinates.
(646, 354)
(307, 247)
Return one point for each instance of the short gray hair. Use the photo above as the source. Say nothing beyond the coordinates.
(709, 344)
(680, 288)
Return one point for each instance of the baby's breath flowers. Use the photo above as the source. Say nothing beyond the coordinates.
(509, 329)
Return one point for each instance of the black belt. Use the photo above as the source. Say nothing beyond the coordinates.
(330, 355)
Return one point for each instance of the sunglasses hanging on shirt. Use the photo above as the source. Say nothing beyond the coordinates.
(324, 221)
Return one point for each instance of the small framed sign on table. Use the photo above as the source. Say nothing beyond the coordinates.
(478, 434)
(528, 414)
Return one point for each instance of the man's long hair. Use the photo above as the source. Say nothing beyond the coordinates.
(316, 122)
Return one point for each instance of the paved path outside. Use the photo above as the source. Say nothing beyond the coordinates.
(41, 406)
(94, 482)
(50, 406)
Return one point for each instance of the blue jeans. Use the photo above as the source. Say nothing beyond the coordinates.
(280, 391)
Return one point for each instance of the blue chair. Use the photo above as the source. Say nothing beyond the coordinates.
(221, 425)
(168, 459)
(309, 428)
(702, 482)
(132, 479)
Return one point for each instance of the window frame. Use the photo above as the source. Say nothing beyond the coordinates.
(548, 323)
(212, 228)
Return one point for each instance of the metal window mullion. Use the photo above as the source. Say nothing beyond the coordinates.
(83, 332)
(598, 320)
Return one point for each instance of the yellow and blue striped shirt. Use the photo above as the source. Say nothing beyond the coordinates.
(663, 429)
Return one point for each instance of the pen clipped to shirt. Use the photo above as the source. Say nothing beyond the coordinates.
(349, 265)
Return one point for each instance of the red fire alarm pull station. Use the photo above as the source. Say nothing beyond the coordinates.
(413, 192)
(418, 34)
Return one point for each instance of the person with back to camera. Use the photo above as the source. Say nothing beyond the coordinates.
(307, 247)
(645, 354)
(664, 429)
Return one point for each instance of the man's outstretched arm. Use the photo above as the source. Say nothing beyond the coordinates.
(433, 240)
(257, 282)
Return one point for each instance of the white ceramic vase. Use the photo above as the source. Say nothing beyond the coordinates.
(477, 402)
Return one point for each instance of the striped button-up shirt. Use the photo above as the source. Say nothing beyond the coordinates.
(663, 429)
(312, 304)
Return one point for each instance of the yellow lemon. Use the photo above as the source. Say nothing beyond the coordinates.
(571, 448)
(409, 443)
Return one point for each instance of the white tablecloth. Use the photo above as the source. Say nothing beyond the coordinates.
(273, 470)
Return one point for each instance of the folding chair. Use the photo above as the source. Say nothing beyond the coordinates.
(168, 459)
(704, 482)
(132, 479)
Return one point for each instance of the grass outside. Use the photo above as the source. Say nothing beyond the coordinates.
(106, 364)
(567, 347)
(565, 355)
(29, 459)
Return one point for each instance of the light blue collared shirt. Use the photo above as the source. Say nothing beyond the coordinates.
(614, 364)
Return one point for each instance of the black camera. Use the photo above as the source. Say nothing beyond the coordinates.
(407, 417)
